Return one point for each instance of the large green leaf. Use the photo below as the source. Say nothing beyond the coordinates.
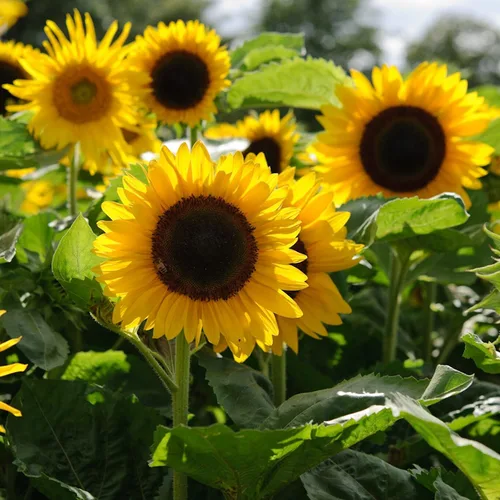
(41, 345)
(73, 262)
(302, 83)
(101, 448)
(244, 393)
(351, 475)
(10, 231)
(484, 354)
(480, 464)
(36, 237)
(362, 392)
(289, 41)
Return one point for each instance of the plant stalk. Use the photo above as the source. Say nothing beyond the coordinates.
(193, 135)
(399, 267)
(278, 377)
(73, 169)
(430, 290)
(181, 404)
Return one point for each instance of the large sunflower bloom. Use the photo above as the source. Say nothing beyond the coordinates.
(202, 247)
(323, 239)
(9, 370)
(403, 138)
(267, 134)
(11, 54)
(81, 91)
(10, 12)
(187, 69)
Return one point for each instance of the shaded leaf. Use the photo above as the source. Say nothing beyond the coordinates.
(244, 393)
(40, 344)
(10, 231)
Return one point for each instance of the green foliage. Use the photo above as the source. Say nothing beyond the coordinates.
(73, 262)
(43, 346)
(484, 354)
(301, 83)
(10, 231)
(100, 448)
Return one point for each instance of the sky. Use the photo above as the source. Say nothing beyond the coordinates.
(400, 21)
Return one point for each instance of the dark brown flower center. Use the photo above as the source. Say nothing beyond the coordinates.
(204, 247)
(271, 150)
(403, 148)
(180, 80)
(8, 73)
(302, 266)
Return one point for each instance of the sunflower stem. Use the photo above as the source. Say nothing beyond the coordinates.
(430, 290)
(400, 261)
(278, 377)
(74, 167)
(193, 135)
(181, 404)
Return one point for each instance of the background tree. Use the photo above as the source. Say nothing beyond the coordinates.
(333, 29)
(470, 45)
(30, 28)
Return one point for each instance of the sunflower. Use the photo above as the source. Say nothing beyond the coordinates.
(81, 91)
(323, 239)
(403, 138)
(202, 247)
(11, 54)
(187, 69)
(9, 370)
(10, 12)
(267, 134)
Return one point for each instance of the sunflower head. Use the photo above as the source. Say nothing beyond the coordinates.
(267, 134)
(403, 138)
(11, 69)
(323, 239)
(202, 247)
(187, 68)
(10, 12)
(81, 91)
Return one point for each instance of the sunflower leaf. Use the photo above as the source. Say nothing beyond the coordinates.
(352, 475)
(244, 393)
(99, 448)
(73, 262)
(484, 354)
(291, 41)
(10, 232)
(301, 83)
(41, 345)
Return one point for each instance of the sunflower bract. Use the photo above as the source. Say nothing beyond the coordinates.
(403, 138)
(202, 247)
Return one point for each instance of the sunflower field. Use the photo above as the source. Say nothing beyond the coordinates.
(201, 298)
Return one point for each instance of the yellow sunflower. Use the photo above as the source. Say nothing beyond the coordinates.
(11, 54)
(187, 69)
(267, 134)
(403, 138)
(10, 12)
(9, 370)
(82, 91)
(202, 246)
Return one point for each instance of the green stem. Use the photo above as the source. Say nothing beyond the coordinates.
(450, 342)
(193, 135)
(181, 404)
(263, 359)
(150, 358)
(72, 181)
(278, 377)
(430, 291)
(399, 267)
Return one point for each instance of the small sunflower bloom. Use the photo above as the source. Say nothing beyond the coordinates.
(267, 134)
(202, 247)
(81, 91)
(323, 239)
(187, 69)
(403, 137)
(10, 12)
